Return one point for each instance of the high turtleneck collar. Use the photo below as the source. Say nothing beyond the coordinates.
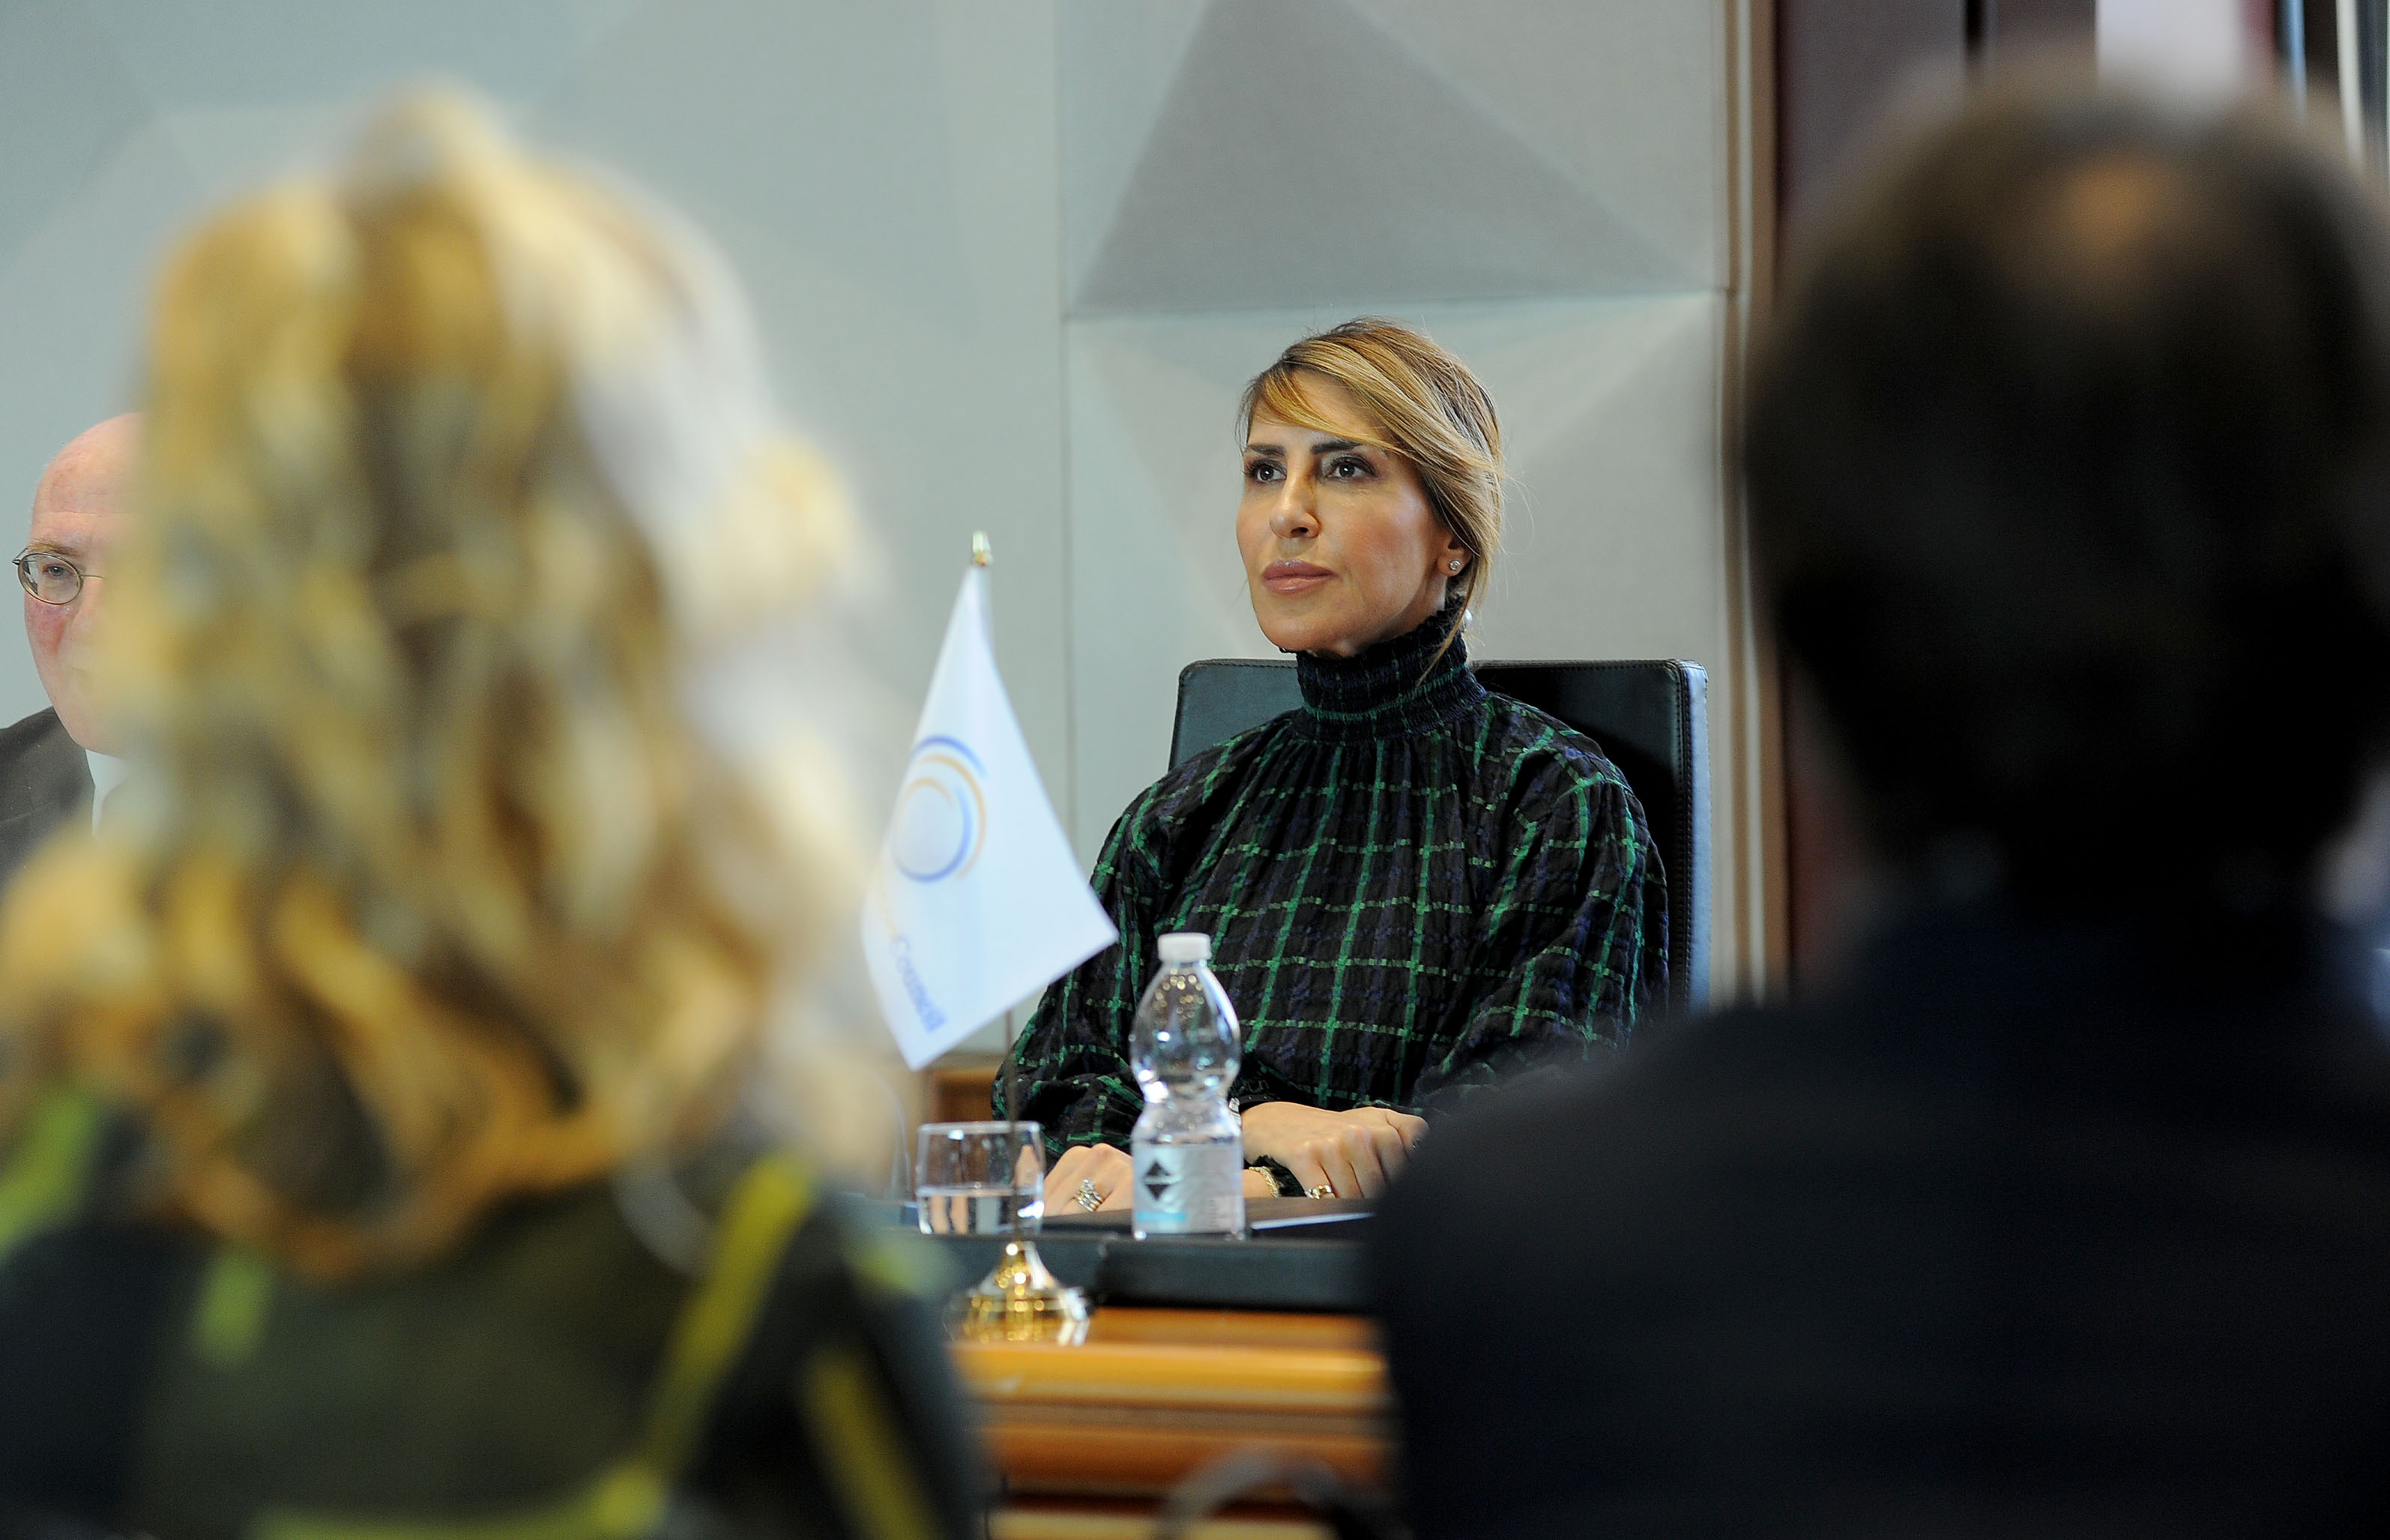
(1391, 689)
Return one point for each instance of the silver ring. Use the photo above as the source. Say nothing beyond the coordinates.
(1322, 1190)
(1087, 1196)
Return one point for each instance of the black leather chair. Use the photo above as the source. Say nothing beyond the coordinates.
(1651, 718)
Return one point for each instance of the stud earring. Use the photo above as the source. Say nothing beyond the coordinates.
(1454, 564)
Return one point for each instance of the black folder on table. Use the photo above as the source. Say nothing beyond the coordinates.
(1304, 1254)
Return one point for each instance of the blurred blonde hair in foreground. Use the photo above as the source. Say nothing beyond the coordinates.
(484, 838)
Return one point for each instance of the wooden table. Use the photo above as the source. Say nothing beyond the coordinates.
(1088, 1439)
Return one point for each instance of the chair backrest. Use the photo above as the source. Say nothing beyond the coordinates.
(1651, 717)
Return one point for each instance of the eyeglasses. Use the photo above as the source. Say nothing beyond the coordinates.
(50, 577)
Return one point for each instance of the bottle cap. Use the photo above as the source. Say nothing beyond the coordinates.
(1184, 946)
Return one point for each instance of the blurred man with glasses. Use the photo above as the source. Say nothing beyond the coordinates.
(52, 763)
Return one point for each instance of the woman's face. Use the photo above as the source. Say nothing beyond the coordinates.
(1341, 547)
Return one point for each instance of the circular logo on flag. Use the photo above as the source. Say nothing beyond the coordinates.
(940, 820)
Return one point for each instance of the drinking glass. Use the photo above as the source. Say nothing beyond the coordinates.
(968, 1176)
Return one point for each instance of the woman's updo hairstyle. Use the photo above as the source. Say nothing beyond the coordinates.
(1428, 408)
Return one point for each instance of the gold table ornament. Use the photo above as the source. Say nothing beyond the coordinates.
(1019, 1301)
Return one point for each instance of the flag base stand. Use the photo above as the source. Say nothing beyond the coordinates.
(1019, 1301)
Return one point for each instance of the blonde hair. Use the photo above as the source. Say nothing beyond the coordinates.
(1428, 408)
(439, 896)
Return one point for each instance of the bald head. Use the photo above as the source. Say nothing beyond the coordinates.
(93, 473)
(79, 510)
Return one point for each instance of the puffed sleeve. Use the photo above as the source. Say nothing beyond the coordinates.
(1072, 1060)
(1573, 941)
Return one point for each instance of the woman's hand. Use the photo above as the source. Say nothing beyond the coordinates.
(1357, 1153)
(1108, 1168)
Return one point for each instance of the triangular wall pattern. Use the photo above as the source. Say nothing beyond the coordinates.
(1269, 181)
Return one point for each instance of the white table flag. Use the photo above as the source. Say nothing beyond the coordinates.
(977, 898)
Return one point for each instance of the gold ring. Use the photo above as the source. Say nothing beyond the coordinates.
(1087, 1196)
(1322, 1190)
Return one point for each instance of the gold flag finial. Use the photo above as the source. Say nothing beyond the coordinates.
(981, 554)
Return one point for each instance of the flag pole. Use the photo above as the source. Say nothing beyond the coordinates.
(983, 555)
(1019, 1300)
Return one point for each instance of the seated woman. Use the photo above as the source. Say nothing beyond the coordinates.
(370, 1086)
(1412, 883)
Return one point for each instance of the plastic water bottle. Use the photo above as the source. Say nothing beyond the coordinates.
(1187, 1149)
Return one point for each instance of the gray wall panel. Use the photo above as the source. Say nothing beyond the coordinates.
(1011, 262)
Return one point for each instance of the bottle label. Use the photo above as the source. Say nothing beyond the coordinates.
(1189, 1188)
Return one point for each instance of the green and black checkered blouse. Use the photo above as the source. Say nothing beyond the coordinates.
(1410, 884)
